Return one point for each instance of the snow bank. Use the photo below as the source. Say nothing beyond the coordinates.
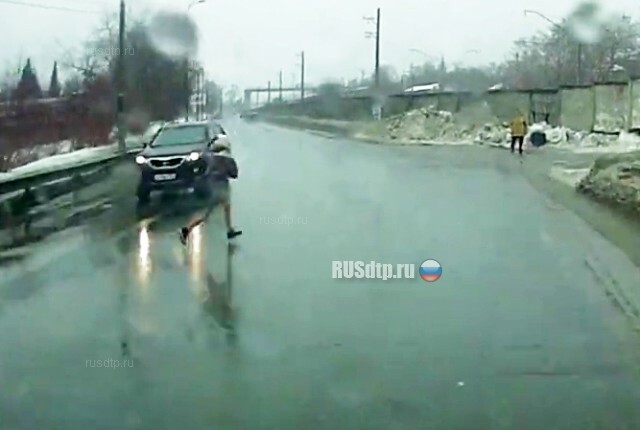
(28, 155)
(570, 177)
(615, 178)
(435, 126)
(616, 144)
(44, 158)
(475, 126)
(61, 161)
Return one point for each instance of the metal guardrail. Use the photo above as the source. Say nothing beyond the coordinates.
(34, 179)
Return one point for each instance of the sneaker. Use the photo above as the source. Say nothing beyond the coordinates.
(233, 233)
(184, 234)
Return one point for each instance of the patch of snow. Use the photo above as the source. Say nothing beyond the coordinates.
(569, 177)
(594, 143)
(60, 161)
(554, 135)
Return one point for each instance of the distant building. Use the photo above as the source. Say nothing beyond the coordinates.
(427, 88)
(358, 91)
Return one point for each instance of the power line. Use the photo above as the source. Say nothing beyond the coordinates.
(96, 2)
(42, 6)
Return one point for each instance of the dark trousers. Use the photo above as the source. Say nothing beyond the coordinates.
(520, 140)
(219, 193)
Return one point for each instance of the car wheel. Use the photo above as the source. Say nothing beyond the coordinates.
(202, 190)
(143, 194)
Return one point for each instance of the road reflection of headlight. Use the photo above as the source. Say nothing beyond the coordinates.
(195, 249)
(144, 255)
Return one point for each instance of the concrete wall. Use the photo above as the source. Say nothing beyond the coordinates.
(545, 106)
(425, 101)
(612, 107)
(397, 104)
(449, 102)
(601, 108)
(504, 104)
(577, 108)
(635, 96)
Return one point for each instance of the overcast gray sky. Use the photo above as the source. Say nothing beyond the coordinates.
(247, 42)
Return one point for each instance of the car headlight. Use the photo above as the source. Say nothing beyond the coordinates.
(194, 156)
(140, 159)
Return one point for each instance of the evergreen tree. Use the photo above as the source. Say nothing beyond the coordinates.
(442, 69)
(28, 87)
(54, 85)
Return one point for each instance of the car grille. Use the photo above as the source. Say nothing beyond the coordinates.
(166, 163)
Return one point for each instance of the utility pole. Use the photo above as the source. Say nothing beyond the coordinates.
(269, 92)
(302, 76)
(201, 93)
(280, 86)
(376, 34)
(579, 71)
(122, 132)
(196, 93)
(187, 89)
(221, 98)
(378, 49)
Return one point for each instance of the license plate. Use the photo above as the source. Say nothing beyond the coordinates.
(164, 177)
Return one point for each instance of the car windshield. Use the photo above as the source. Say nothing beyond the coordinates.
(217, 128)
(181, 136)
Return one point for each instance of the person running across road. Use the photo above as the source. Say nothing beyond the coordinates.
(518, 128)
(224, 168)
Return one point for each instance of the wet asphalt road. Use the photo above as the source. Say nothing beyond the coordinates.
(114, 325)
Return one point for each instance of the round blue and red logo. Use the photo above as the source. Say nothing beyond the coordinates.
(430, 270)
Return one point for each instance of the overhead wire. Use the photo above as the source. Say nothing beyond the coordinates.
(48, 7)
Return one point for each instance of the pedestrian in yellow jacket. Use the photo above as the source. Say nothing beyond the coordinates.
(518, 127)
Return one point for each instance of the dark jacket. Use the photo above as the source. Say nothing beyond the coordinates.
(224, 167)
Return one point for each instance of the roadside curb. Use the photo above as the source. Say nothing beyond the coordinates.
(346, 132)
(615, 292)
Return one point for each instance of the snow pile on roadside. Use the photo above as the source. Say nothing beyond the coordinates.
(615, 178)
(432, 125)
(554, 135)
(61, 160)
(585, 142)
(601, 143)
(571, 177)
(492, 133)
(29, 155)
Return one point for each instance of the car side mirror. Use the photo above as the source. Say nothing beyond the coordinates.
(215, 138)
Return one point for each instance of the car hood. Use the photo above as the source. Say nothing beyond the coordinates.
(172, 150)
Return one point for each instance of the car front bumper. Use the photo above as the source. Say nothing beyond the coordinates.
(187, 175)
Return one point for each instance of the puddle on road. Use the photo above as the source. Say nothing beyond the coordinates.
(52, 223)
